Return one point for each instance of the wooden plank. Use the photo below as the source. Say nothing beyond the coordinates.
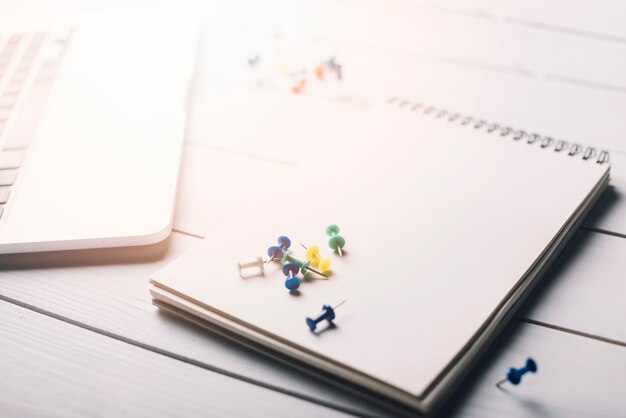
(53, 369)
(584, 290)
(107, 290)
(577, 377)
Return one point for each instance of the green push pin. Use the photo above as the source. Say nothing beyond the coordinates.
(336, 241)
(304, 265)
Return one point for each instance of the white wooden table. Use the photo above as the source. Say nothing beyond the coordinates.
(79, 336)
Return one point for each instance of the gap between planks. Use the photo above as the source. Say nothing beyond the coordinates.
(603, 231)
(189, 234)
(571, 331)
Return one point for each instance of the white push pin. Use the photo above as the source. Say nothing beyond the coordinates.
(252, 264)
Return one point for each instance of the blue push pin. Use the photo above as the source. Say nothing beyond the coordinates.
(333, 66)
(276, 252)
(338, 72)
(290, 270)
(515, 375)
(328, 315)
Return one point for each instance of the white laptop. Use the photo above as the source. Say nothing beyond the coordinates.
(92, 122)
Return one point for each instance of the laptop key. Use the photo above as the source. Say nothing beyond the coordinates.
(23, 129)
(7, 177)
(4, 194)
(11, 159)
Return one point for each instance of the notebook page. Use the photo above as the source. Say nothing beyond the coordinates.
(440, 220)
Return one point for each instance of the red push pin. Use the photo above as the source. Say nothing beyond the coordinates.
(299, 86)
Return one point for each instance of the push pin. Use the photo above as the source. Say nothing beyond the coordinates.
(276, 252)
(252, 264)
(334, 67)
(254, 61)
(336, 241)
(284, 68)
(338, 72)
(304, 265)
(331, 64)
(515, 375)
(290, 270)
(299, 86)
(313, 255)
(319, 72)
(327, 315)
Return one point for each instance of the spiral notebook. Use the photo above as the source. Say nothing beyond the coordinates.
(449, 222)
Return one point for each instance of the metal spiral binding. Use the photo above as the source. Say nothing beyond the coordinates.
(560, 145)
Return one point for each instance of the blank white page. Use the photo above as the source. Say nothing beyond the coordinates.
(440, 220)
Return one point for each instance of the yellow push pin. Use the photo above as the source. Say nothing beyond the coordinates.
(313, 255)
(284, 68)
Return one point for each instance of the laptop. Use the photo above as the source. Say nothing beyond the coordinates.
(92, 123)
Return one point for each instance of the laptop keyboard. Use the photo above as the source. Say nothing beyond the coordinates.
(28, 65)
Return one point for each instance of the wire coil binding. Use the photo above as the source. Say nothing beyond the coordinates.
(588, 153)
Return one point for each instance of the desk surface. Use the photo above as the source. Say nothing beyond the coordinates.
(81, 338)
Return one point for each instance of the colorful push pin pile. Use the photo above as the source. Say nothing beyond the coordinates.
(336, 241)
(291, 267)
(303, 265)
(320, 72)
(313, 255)
(327, 315)
(330, 65)
(515, 375)
(296, 77)
(276, 252)
(290, 270)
